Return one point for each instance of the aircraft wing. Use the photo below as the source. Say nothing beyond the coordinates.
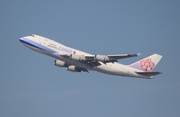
(102, 58)
(109, 58)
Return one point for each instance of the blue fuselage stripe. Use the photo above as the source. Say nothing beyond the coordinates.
(36, 45)
(25, 42)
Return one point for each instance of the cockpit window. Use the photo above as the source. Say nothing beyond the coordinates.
(33, 35)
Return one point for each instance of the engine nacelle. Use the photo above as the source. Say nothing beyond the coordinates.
(102, 58)
(73, 68)
(59, 63)
(78, 57)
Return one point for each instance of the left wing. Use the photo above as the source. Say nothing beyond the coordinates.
(95, 58)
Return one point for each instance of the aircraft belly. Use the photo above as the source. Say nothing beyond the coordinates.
(116, 69)
(109, 68)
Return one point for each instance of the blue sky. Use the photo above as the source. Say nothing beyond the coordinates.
(30, 85)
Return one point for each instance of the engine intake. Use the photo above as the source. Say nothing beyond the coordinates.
(102, 58)
(59, 63)
(73, 68)
(77, 57)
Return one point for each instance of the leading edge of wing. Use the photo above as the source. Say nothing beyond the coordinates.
(122, 56)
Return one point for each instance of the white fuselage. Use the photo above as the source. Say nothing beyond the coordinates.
(54, 49)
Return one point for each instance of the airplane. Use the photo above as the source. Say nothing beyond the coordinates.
(77, 61)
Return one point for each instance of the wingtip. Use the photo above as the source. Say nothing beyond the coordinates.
(138, 54)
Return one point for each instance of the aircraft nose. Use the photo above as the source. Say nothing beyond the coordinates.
(21, 39)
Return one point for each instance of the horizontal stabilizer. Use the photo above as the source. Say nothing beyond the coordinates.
(149, 73)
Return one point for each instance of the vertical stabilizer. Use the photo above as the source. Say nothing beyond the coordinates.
(147, 64)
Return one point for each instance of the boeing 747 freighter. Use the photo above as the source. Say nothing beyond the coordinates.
(76, 61)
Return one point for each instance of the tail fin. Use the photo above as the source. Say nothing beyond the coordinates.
(147, 64)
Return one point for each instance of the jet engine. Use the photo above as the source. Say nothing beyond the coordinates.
(59, 63)
(73, 68)
(77, 57)
(102, 58)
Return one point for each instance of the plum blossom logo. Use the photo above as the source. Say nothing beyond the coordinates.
(147, 64)
(74, 52)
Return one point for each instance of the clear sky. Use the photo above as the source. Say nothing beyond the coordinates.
(31, 86)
